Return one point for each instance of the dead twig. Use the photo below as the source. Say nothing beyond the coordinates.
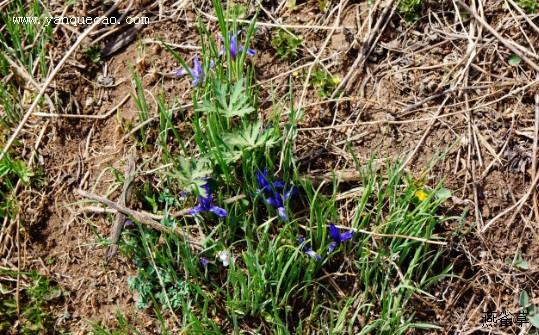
(121, 41)
(406, 237)
(172, 45)
(524, 15)
(517, 206)
(85, 116)
(141, 217)
(348, 175)
(120, 217)
(425, 134)
(280, 25)
(24, 73)
(101, 210)
(520, 51)
(374, 36)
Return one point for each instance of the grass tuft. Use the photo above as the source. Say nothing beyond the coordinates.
(252, 270)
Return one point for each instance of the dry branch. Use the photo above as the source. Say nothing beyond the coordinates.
(139, 216)
(120, 217)
(374, 36)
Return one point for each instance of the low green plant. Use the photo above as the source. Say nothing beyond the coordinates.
(528, 311)
(94, 54)
(410, 8)
(323, 5)
(123, 327)
(14, 168)
(529, 6)
(236, 11)
(286, 45)
(324, 82)
(12, 111)
(139, 96)
(11, 171)
(35, 297)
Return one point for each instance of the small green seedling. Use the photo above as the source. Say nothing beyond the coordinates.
(323, 5)
(518, 262)
(94, 54)
(324, 82)
(286, 45)
(514, 60)
(529, 6)
(528, 310)
(236, 11)
(410, 9)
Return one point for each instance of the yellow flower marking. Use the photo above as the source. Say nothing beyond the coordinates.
(421, 195)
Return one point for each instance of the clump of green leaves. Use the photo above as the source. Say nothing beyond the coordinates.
(94, 54)
(157, 282)
(529, 6)
(323, 5)
(518, 262)
(528, 309)
(123, 327)
(35, 317)
(236, 11)
(12, 111)
(324, 82)
(189, 174)
(251, 136)
(10, 172)
(409, 8)
(514, 60)
(230, 100)
(9, 167)
(286, 45)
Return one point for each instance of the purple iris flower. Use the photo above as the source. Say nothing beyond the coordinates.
(236, 49)
(204, 261)
(128, 224)
(206, 205)
(337, 237)
(197, 71)
(308, 251)
(275, 194)
(262, 179)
